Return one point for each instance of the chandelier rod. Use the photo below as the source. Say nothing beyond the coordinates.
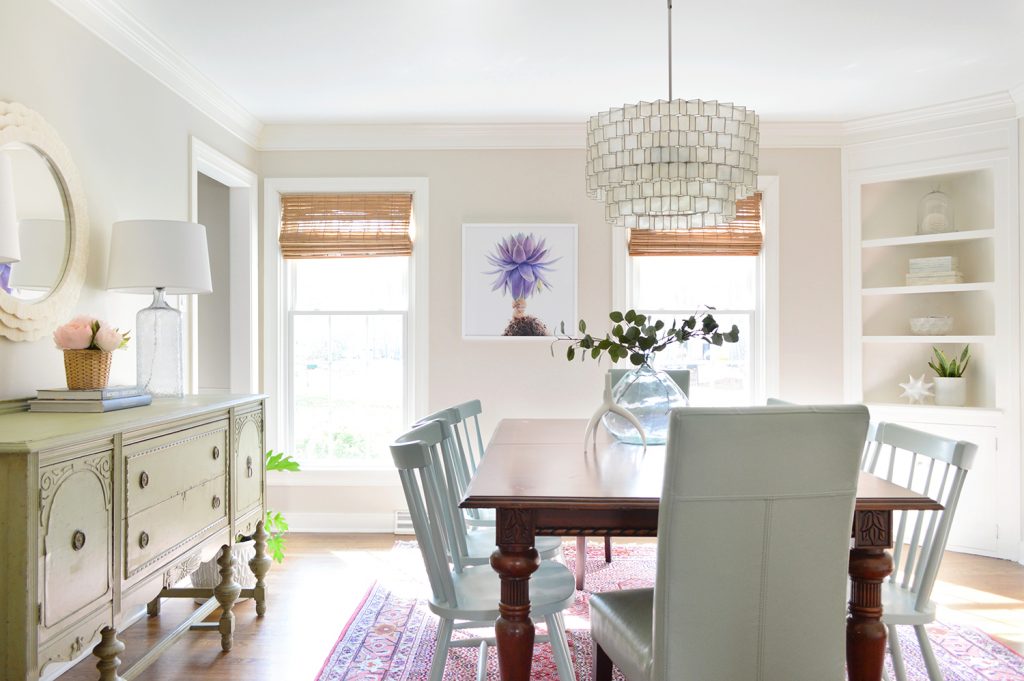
(670, 50)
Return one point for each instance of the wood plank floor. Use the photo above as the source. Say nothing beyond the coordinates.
(325, 576)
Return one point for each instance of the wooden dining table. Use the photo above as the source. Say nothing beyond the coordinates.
(540, 481)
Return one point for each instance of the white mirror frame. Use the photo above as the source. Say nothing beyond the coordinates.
(23, 320)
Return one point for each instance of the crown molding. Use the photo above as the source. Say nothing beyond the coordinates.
(983, 109)
(122, 31)
(426, 136)
(1017, 94)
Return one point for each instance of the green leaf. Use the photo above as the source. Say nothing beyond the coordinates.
(279, 461)
(562, 329)
(617, 331)
(716, 338)
(690, 323)
(632, 334)
(637, 358)
(570, 353)
(732, 335)
(659, 325)
(616, 316)
(630, 316)
(583, 326)
(595, 353)
(640, 319)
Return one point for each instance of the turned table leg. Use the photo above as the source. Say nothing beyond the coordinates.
(870, 564)
(226, 593)
(260, 565)
(108, 650)
(514, 560)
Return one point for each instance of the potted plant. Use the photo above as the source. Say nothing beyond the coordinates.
(87, 343)
(207, 575)
(950, 385)
(648, 394)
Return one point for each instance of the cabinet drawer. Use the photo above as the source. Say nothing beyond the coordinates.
(75, 537)
(249, 463)
(175, 522)
(160, 468)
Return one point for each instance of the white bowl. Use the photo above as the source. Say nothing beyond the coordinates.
(935, 325)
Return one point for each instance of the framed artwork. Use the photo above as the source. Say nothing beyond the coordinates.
(518, 281)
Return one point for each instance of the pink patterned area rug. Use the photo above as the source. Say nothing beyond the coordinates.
(391, 636)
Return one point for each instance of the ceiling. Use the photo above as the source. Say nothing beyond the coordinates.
(551, 61)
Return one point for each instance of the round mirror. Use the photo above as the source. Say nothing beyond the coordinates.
(43, 226)
(41, 221)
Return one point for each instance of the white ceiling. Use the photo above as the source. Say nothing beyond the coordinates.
(483, 61)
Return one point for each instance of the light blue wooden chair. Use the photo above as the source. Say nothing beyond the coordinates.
(472, 545)
(936, 467)
(467, 597)
(753, 548)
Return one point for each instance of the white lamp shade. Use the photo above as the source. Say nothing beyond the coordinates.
(168, 254)
(43, 253)
(10, 250)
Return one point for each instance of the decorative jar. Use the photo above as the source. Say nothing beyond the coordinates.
(650, 396)
(87, 369)
(934, 214)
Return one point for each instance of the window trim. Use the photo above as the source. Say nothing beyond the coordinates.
(765, 357)
(276, 358)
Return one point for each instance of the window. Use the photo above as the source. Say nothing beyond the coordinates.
(345, 310)
(673, 275)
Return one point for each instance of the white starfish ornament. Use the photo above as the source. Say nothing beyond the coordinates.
(916, 389)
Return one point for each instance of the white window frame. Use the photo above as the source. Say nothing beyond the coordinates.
(764, 354)
(278, 354)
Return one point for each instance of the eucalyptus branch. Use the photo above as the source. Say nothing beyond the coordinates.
(638, 337)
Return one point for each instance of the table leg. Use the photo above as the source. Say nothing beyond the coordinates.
(870, 564)
(514, 560)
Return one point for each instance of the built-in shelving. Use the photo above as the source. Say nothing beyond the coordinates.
(930, 340)
(931, 288)
(919, 239)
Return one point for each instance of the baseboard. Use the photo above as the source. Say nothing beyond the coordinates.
(378, 523)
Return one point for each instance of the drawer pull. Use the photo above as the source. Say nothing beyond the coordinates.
(77, 540)
(216, 453)
(248, 466)
(143, 479)
(143, 540)
(216, 502)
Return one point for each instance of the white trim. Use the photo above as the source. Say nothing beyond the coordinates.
(1017, 94)
(335, 477)
(243, 212)
(274, 312)
(363, 523)
(126, 34)
(947, 113)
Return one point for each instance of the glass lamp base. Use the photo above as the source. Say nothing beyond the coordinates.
(158, 336)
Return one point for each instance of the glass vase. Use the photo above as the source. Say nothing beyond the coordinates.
(650, 396)
(158, 348)
(934, 214)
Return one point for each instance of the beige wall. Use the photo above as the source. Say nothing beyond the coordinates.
(215, 307)
(521, 378)
(129, 137)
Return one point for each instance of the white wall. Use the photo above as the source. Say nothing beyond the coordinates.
(215, 308)
(128, 135)
(521, 378)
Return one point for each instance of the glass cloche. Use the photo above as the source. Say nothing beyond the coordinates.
(934, 213)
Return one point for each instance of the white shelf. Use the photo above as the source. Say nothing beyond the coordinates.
(929, 340)
(918, 239)
(931, 288)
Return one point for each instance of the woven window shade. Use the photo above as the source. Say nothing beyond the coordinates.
(742, 236)
(345, 225)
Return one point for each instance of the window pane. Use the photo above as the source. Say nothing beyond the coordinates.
(351, 284)
(692, 282)
(719, 375)
(348, 387)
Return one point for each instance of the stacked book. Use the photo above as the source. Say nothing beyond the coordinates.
(99, 400)
(938, 270)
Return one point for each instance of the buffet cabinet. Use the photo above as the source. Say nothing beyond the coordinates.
(101, 515)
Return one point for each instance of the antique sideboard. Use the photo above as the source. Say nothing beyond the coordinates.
(102, 514)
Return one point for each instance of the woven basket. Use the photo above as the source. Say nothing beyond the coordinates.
(87, 369)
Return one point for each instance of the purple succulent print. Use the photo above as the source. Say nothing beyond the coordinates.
(520, 264)
(5, 277)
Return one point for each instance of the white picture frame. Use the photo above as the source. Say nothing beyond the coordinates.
(552, 297)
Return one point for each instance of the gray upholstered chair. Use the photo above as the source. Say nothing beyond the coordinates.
(936, 467)
(753, 546)
(467, 597)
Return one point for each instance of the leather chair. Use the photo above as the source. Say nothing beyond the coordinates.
(754, 531)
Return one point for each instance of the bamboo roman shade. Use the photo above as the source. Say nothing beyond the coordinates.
(742, 236)
(345, 225)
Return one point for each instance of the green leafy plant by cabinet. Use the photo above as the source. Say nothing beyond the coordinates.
(638, 337)
(945, 367)
(274, 524)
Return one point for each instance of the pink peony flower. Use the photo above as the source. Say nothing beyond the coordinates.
(75, 335)
(108, 338)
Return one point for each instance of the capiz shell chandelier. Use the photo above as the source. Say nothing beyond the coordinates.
(675, 164)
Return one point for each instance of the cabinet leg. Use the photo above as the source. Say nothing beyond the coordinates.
(153, 607)
(226, 593)
(260, 565)
(108, 650)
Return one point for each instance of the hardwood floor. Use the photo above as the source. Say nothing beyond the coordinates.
(325, 576)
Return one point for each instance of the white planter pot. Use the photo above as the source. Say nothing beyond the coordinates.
(950, 392)
(207, 575)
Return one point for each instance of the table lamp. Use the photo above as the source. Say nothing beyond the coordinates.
(163, 257)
